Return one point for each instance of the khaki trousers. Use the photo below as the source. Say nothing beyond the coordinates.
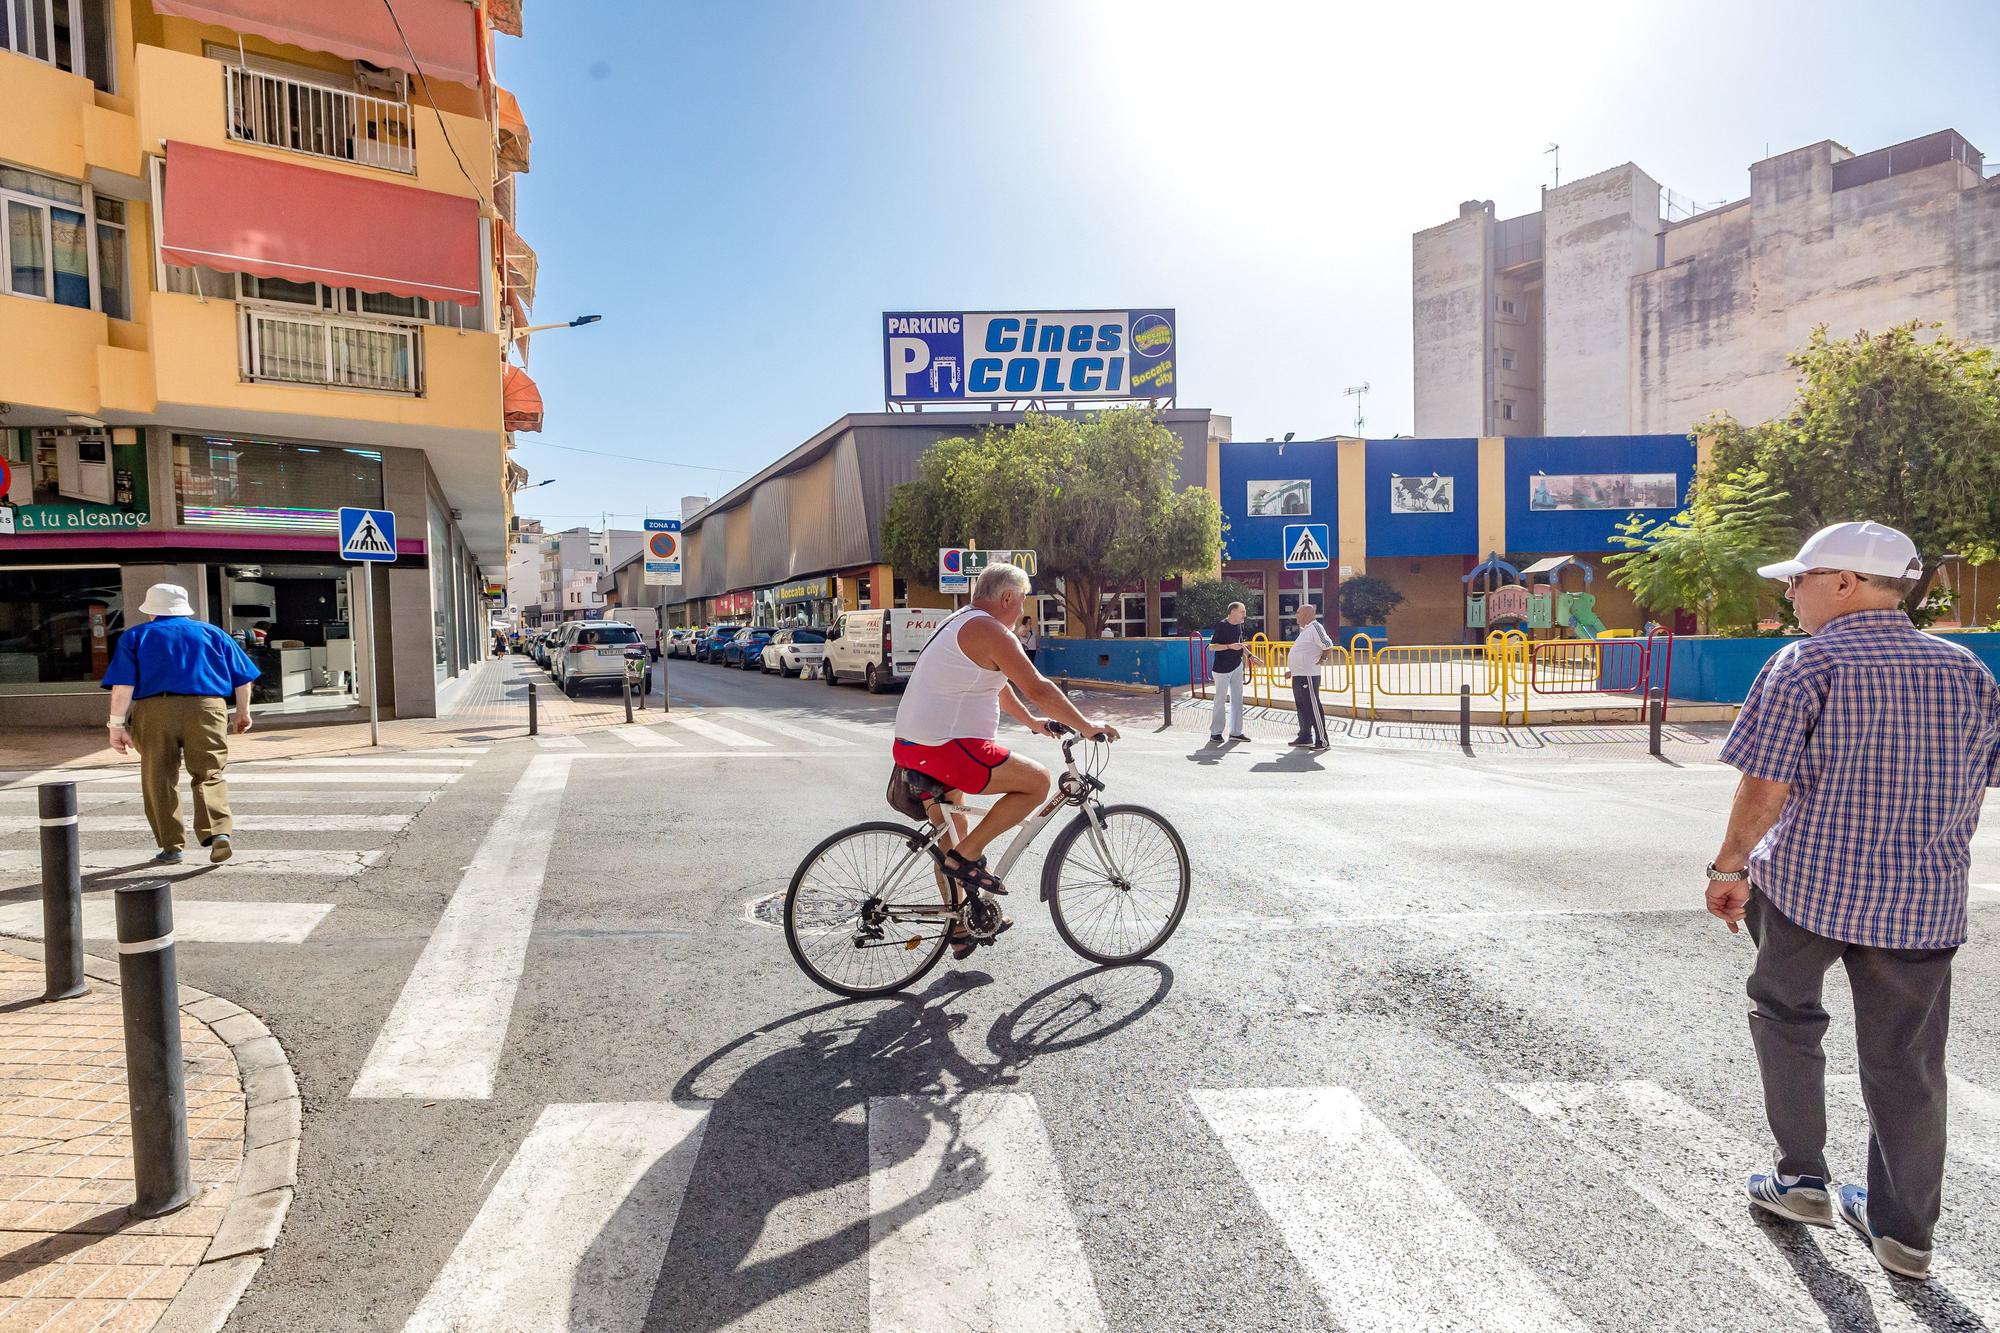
(169, 729)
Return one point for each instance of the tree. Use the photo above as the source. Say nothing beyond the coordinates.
(1367, 600)
(1704, 559)
(1093, 496)
(1204, 603)
(1894, 427)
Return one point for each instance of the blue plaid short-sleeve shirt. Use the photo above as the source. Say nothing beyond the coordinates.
(1889, 738)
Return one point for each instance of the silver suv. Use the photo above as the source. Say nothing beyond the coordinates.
(594, 653)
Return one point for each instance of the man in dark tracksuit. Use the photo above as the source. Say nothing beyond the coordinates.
(1309, 645)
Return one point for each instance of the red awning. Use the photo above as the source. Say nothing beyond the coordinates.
(523, 401)
(441, 33)
(246, 214)
(514, 139)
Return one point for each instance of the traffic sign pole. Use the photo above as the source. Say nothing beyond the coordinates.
(368, 620)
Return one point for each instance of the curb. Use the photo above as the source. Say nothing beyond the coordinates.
(272, 1127)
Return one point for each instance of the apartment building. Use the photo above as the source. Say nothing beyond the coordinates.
(260, 264)
(1620, 307)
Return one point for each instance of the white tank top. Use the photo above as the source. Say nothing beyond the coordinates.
(949, 696)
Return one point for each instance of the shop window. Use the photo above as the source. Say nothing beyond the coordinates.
(1124, 614)
(221, 482)
(58, 628)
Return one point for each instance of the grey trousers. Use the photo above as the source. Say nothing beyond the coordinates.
(1312, 714)
(1902, 1008)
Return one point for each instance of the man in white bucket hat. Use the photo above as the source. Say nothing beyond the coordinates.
(1865, 750)
(170, 681)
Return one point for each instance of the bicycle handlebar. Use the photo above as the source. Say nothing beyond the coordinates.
(1070, 735)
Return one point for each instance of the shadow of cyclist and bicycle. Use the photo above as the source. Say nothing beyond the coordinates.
(788, 1123)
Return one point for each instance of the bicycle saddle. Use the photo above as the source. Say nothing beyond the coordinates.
(923, 785)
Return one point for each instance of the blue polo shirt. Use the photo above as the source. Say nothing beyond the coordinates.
(179, 655)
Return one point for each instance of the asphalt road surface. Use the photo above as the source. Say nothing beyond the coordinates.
(1443, 1042)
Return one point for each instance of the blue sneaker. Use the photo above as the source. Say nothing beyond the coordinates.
(1900, 1259)
(1796, 1199)
(170, 856)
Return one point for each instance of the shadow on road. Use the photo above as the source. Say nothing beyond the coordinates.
(788, 1120)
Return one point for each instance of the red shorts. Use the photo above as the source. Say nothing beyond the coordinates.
(962, 765)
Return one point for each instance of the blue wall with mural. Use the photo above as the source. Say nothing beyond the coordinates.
(1538, 521)
(1242, 463)
(1416, 462)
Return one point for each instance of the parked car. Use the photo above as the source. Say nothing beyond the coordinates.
(746, 650)
(793, 651)
(595, 654)
(558, 648)
(717, 640)
(879, 648)
(678, 642)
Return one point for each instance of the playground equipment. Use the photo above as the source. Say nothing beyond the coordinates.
(1573, 610)
(1495, 598)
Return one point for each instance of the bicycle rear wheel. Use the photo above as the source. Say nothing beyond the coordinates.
(855, 914)
(1117, 901)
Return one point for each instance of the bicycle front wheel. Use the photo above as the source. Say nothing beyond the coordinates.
(864, 914)
(1117, 896)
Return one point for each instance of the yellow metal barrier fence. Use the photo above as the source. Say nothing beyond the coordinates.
(1267, 662)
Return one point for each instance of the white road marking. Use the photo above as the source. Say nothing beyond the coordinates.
(872, 728)
(307, 762)
(245, 824)
(262, 777)
(1692, 1169)
(25, 800)
(1972, 1117)
(194, 922)
(451, 749)
(444, 1036)
(572, 1234)
(560, 742)
(645, 738)
(968, 1221)
(1388, 1244)
(721, 735)
(291, 861)
(784, 728)
(1986, 890)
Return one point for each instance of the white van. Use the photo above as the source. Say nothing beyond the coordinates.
(879, 648)
(646, 620)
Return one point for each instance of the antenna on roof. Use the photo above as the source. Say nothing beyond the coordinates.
(1356, 392)
(1554, 150)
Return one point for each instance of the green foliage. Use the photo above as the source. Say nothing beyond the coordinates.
(1204, 603)
(1704, 559)
(1893, 427)
(1367, 600)
(1093, 496)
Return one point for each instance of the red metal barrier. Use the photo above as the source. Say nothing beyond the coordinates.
(1200, 676)
(1661, 637)
(1591, 666)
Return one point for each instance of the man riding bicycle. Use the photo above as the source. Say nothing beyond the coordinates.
(971, 669)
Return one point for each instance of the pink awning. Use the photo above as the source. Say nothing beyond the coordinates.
(441, 33)
(246, 214)
(523, 401)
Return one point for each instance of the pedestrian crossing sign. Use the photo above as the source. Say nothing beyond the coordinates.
(367, 534)
(1305, 545)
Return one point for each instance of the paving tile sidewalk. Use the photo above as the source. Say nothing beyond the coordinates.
(71, 1256)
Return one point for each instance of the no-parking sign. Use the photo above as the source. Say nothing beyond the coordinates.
(663, 551)
(951, 569)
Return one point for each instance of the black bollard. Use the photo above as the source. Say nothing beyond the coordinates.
(1167, 705)
(62, 893)
(1656, 716)
(534, 727)
(1465, 718)
(155, 1082)
(628, 696)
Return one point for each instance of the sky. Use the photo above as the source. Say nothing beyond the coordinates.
(741, 187)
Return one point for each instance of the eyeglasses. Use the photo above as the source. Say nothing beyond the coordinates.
(1792, 583)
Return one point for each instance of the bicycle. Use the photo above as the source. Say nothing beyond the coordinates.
(872, 896)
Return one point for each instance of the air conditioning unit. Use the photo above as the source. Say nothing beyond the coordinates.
(374, 80)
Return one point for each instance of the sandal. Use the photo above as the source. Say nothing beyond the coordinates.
(962, 943)
(972, 874)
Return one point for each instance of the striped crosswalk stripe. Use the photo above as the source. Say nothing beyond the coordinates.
(645, 738)
(1369, 1221)
(784, 728)
(1972, 1113)
(195, 921)
(560, 742)
(290, 861)
(592, 1184)
(721, 735)
(1029, 1270)
(1691, 1168)
(291, 777)
(307, 762)
(248, 823)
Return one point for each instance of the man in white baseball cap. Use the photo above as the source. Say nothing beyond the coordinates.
(1866, 751)
(171, 680)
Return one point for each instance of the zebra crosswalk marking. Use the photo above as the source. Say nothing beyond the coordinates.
(1971, 1112)
(1692, 1169)
(787, 729)
(559, 742)
(971, 1190)
(721, 735)
(575, 1227)
(1369, 1221)
(245, 824)
(195, 921)
(343, 761)
(287, 860)
(645, 738)
(256, 777)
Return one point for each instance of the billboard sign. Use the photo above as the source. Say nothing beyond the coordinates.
(980, 356)
(1604, 490)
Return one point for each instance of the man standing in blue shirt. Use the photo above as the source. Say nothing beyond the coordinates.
(1866, 751)
(171, 680)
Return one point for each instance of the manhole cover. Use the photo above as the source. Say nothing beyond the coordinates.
(767, 911)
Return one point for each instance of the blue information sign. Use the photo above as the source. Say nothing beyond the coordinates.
(1306, 545)
(367, 534)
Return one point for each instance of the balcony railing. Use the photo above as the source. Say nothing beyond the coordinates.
(284, 348)
(324, 122)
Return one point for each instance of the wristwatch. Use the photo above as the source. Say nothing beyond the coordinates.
(115, 722)
(1728, 876)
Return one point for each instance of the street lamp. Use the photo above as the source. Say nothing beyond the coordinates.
(576, 323)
